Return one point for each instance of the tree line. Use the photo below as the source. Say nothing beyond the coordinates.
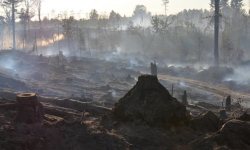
(186, 37)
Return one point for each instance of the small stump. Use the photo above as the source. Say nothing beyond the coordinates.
(29, 109)
(223, 114)
(184, 99)
(17, 76)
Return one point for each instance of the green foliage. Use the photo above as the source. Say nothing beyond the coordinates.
(160, 25)
(237, 5)
(93, 15)
(68, 25)
(114, 17)
(141, 12)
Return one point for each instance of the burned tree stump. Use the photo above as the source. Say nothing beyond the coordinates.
(223, 114)
(153, 67)
(29, 109)
(17, 76)
(228, 103)
(150, 102)
(184, 99)
(41, 57)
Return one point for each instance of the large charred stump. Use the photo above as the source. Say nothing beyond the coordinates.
(150, 102)
(29, 109)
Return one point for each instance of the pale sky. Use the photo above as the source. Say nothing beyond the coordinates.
(124, 7)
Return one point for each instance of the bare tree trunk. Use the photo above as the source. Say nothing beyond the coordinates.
(216, 32)
(39, 12)
(28, 13)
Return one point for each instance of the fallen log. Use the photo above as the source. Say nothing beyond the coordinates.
(66, 103)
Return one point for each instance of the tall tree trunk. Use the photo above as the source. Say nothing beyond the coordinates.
(216, 32)
(39, 12)
(28, 13)
(13, 25)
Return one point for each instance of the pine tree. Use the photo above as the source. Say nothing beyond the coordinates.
(237, 5)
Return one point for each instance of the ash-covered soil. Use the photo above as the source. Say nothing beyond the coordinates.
(83, 99)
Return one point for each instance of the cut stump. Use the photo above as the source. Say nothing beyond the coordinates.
(29, 109)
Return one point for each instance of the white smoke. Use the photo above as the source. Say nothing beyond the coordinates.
(113, 93)
(240, 76)
(182, 84)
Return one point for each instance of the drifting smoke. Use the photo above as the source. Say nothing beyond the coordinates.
(50, 52)
(113, 93)
(240, 76)
(182, 84)
(8, 62)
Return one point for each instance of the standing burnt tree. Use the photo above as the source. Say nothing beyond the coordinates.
(39, 9)
(68, 24)
(13, 4)
(165, 4)
(216, 32)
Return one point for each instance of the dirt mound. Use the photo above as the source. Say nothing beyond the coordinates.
(235, 134)
(206, 121)
(149, 101)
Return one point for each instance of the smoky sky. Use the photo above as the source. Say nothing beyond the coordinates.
(124, 7)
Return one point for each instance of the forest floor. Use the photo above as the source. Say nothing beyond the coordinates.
(78, 96)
